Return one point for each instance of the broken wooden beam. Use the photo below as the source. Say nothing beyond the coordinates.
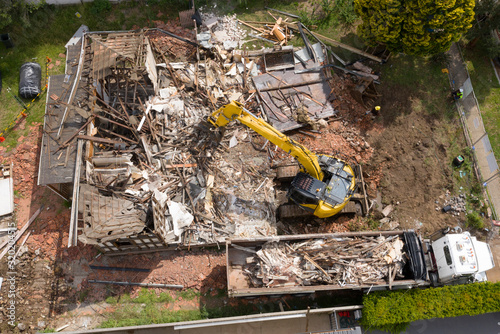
(285, 86)
(66, 143)
(145, 145)
(284, 13)
(251, 27)
(100, 140)
(118, 135)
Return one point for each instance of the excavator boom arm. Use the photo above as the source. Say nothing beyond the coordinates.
(235, 110)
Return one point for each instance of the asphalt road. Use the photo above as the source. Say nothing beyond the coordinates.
(481, 324)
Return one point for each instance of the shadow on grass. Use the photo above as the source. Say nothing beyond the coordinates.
(409, 82)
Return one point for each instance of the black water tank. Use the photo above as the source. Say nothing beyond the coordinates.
(30, 80)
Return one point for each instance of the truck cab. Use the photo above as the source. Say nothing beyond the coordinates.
(460, 258)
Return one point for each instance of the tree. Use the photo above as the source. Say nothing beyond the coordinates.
(417, 27)
(17, 11)
(487, 24)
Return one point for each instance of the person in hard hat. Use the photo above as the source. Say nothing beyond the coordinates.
(376, 110)
(458, 94)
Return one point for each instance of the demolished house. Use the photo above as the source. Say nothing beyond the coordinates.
(124, 135)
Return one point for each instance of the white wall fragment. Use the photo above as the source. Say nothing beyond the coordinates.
(180, 216)
(233, 141)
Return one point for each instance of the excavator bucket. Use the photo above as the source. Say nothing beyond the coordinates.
(365, 93)
(207, 131)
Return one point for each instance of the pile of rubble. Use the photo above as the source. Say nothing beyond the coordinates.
(340, 261)
(454, 205)
(224, 30)
(153, 166)
(148, 165)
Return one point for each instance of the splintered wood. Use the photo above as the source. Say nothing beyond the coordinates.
(276, 32)
(342, 261)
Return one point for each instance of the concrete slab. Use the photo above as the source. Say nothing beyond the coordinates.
(77, 36)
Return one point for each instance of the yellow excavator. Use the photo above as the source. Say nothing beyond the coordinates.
(324, 184)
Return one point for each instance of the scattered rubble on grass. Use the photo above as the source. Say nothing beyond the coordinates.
(454, 205)
(50, 235)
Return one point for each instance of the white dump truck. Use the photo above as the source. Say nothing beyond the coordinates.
(302, 264)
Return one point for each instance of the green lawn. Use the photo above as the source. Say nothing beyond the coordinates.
(424, 78)
(487, 90)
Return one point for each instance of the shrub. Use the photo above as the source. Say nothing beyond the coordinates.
(100, 7)
(389, 309)
(188, 294)
(149, 296)
(345, 12)
(474, 220)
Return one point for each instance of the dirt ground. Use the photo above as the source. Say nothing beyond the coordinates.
(415, 161)
(405, 165)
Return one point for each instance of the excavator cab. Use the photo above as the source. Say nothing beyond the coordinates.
(305, 191)
(329, 194)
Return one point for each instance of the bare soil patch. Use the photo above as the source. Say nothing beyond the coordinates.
(411, 152)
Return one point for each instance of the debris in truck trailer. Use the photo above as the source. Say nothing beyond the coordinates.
(338, 261)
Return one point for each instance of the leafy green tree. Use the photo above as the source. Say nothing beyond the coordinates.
(417, 27)
(487, 24)
(487, 15)
(17, 11)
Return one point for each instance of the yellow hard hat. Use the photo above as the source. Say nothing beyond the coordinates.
(377, 108)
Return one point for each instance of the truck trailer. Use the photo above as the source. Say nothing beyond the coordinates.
(368, 261)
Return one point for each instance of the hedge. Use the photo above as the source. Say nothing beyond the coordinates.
(393, 309)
